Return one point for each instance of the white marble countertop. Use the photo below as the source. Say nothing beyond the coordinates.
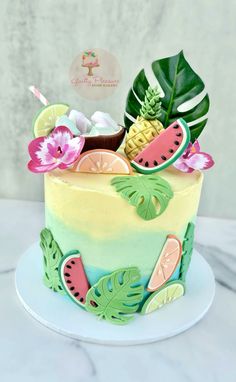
(31, 352)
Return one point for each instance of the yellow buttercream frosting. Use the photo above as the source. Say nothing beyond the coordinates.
(88, 203)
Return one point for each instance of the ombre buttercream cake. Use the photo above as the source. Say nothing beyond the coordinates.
(120, 219)
(86, 212)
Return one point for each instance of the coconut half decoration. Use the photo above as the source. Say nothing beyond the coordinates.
(100, 132)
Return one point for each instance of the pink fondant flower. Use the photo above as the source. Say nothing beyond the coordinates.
(59, 149)
(194, 159)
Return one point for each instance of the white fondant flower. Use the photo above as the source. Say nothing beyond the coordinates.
(104, 120)
(69, 123)
(82, 123)
(100, 124)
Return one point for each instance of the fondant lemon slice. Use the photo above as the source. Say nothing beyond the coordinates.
(167, 294)
(166, 263)
(101, 161)
(46, 118)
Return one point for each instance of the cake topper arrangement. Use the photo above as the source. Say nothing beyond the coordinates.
(159, 133)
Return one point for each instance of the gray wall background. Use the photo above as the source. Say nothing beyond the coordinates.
(39, 40)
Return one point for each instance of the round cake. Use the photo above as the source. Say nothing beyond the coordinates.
(83, 211)
(120, 219)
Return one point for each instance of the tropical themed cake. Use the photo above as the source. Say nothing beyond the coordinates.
(121, 201)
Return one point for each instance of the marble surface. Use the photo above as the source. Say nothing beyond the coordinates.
(30, 352)
(40, 39)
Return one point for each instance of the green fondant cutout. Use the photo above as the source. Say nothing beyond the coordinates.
(51, 256)
(149, 194)
(165, 295)
(116, 296)
(151, 107)
(179, 84)
(187, 251)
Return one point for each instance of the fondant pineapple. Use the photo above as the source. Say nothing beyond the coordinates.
(147, 126)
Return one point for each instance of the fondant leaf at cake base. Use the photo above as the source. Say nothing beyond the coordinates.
(187, 251)
(116, 296)
(149, 194)
(179, 84)
(51, 256)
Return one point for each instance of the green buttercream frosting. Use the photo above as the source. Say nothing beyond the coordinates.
(149, 194)
(117, 296)
(51, 259)
(187, 251)
(151, 107)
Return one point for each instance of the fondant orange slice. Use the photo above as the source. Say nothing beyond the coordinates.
(101, 161)
(166, 263)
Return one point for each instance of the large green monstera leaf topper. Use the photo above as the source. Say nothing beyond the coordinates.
(179, 84)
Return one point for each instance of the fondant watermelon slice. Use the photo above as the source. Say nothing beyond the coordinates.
(165, 149)
(73, 277)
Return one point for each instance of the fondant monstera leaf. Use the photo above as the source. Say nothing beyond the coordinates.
(116, 296)
(51, 258)
(187, 251)
(179, 84)
(149, 194)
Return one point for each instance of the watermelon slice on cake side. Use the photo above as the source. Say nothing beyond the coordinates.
(164, 150)
(73, 277)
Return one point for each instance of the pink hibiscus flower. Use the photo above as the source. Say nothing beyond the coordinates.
(58, 150)
(194, 159)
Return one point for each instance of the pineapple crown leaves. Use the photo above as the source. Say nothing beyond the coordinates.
(151, 107)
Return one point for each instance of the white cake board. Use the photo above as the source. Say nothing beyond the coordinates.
(59, 313)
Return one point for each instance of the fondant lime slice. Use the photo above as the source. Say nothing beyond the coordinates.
(45, 120)
(165, 295)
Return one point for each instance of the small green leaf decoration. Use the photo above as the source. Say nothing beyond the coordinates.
(116, 296)
(51, 256)
(180, 84)
(187, 251)
(151, 107)
(149, 194)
